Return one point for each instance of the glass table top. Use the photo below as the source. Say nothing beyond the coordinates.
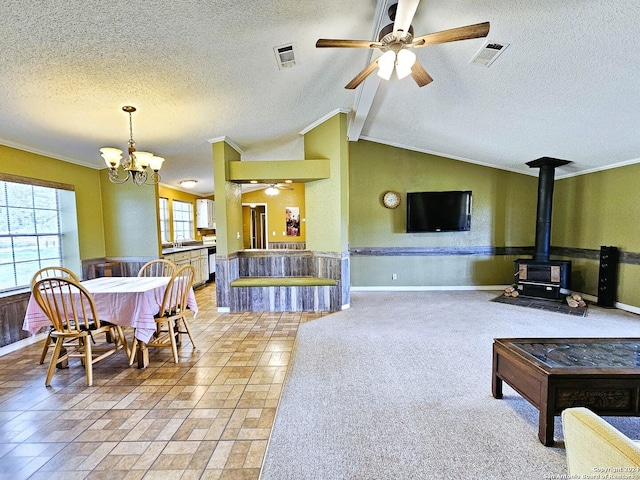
(580, 353)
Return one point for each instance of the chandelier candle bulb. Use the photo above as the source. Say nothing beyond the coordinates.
(143, 159)
(112, 156)
(156, 163)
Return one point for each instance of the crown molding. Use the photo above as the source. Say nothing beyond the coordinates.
(321, 120)
(26, 148)
(227, 140)
(445, 155)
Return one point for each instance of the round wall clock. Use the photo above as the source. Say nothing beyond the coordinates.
(391, 199)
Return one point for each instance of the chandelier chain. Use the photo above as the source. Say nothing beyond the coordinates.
(131, 142)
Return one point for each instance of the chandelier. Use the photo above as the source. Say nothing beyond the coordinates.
(137, 166)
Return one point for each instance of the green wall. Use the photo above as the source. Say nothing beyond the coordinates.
(503, 215)
(327, 200)
(598, 209)
(113, 220)
(87, 185)
(229, 203)
(130, 215)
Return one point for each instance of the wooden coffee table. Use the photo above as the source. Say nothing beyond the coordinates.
(602, 374)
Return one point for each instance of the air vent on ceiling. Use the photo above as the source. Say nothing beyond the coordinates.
(285, 56)
(488, 53)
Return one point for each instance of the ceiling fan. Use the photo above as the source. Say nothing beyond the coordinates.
(396, 39)
(274, 189)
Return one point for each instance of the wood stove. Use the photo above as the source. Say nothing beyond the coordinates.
(543, 279)
(540, 276)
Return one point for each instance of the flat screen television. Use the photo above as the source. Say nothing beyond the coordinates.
(439, 211)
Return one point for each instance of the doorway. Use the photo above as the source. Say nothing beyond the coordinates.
(254, 222)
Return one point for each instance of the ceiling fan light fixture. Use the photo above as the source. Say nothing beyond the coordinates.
(396, 37)
(404, 61)
(271, 191)
(385, 64)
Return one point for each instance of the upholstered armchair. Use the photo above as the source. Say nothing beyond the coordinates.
(594, 446)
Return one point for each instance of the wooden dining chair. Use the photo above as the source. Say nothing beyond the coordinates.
(76, 326)
(171, 320)
(48, 272)
(160, 267)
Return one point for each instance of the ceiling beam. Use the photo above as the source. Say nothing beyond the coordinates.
(368, 89)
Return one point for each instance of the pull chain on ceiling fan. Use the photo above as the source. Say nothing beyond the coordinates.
(395, 40)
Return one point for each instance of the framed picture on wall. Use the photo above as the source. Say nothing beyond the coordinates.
(293, 221)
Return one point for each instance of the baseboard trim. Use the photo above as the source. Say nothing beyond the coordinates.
(618, 305)
(426, 288)
(25, 342)
(406, 288)
(224, 309)
(627, 308)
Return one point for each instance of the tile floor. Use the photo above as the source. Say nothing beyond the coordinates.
(207, 417)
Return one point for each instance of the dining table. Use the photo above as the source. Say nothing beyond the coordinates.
(125, 301)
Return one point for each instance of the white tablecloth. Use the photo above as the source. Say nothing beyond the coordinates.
(125, 301)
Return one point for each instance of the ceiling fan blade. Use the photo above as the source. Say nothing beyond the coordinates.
(461, 33)
(338, 43)
(405, 11)
(420, 75)
(358, 79)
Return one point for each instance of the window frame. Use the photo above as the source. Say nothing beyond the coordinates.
(164, 219)
(183, 225)
(66, 251)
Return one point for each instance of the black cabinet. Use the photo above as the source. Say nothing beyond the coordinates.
(608, 276)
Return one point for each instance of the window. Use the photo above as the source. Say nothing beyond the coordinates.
(182, 220)
(164, 220)
(36, 223)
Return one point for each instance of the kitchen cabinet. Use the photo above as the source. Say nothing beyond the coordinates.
(205, 214)
(199, 261)
(197, 258)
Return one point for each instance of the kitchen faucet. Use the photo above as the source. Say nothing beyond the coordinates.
(177, 242)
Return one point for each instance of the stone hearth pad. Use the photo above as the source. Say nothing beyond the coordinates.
(559, 306)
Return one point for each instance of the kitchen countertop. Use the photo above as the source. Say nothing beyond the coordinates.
(185, 248)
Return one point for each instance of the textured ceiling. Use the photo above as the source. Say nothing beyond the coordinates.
(567, 86)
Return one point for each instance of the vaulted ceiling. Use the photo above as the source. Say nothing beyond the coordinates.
(567, 86)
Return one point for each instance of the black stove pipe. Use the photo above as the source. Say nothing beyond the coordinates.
(547, 166)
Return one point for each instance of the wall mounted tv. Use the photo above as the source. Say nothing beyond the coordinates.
(439, 211)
